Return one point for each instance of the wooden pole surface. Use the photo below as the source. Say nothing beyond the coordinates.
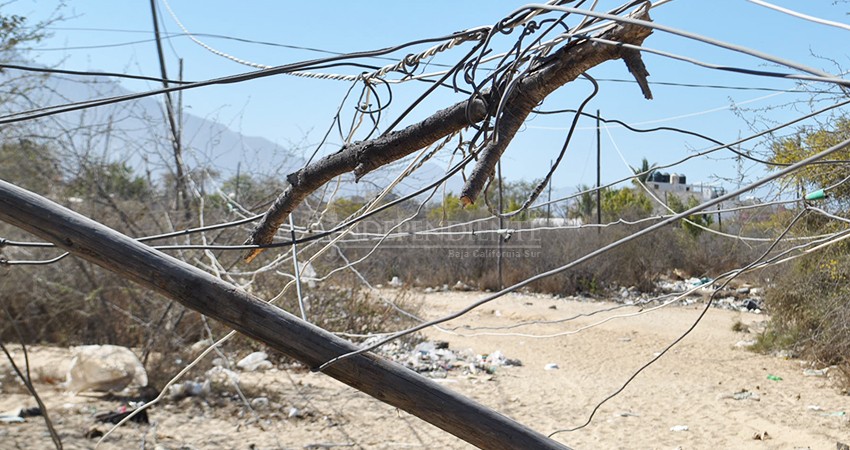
(386, 381)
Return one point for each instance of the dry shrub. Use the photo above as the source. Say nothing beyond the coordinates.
(810, 310)
(433, 261)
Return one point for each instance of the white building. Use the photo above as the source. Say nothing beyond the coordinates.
(664, 184)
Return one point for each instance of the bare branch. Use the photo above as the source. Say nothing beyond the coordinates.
(363, 157)
(638, 70)
(565, 65)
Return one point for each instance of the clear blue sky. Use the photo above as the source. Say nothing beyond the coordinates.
(287, 109)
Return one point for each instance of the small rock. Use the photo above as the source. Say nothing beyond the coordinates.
(260, 403)
(104, 368)
(294, 413)
(200, 346)
(396, 282)
(93, 433)
(254, 362)
(763, 436)
(461, 286)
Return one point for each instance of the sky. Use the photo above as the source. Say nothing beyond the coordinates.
(116, 36)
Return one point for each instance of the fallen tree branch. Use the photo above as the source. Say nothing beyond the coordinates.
(560, 68)
(564, 66)
(313, 346)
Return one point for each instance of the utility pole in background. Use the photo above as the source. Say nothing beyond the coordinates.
(549, 199)
(501, 227)
(598, 171)
(181, 191)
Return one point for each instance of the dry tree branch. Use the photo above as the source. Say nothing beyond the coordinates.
(560, 68)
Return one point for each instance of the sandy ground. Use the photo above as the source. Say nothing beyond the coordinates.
(692, 385)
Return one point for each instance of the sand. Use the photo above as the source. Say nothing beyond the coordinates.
(694, 385)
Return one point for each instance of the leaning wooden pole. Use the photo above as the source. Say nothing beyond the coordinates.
(196, 289)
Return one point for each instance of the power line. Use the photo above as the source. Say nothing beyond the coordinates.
(88, 73)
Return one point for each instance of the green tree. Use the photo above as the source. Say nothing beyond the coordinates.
(644, 171)
(452, 210)
(807, 142)
(624, 203)
(584, 206)
(514, 195)
(692, 226)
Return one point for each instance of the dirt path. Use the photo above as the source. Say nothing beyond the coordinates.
(693, 385)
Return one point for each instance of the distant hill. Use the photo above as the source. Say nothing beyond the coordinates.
(136, 132)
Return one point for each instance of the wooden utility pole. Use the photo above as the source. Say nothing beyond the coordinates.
(549, 198)
(313, 346)
(501, 227)
(598, 170)
(179, 167)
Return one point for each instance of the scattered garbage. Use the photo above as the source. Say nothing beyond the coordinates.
(396, 282)
(294, 413)
(551, 366)
(743, 394)
(104, 368)
(114, 417)
(185, 389)
(745, 343)
(816, 372)
(763, 436)
(13, 416)
(434, 359)
(254, 362)
(93, 433)
(774, 378)
(679, 428)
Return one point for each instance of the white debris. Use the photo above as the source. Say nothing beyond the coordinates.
(104, 368)
(679, 428)
(551, 366)
(260, 403)
(254, 362)
(396, 282)
(189, 389)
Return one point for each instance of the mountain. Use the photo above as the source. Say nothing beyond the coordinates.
(137, 132)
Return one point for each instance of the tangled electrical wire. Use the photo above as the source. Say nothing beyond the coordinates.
(484, 75)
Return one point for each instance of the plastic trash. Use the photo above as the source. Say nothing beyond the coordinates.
(774, 378)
